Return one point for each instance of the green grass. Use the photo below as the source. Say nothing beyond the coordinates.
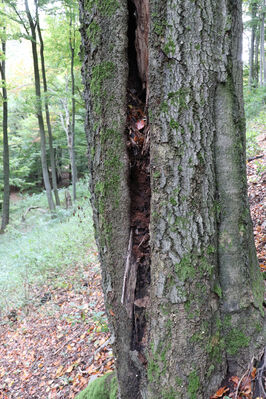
(255, 110)
(255, 101)
(255, 127)
(42, 247)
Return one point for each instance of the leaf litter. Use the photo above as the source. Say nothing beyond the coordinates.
(55, 350)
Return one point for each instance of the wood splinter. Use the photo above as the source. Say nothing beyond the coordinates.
(130, 279)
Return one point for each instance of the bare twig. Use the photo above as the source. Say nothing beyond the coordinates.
(29, 209)
(129, 250)
(99, 349)
(259, 376)
(65, 343)
(256, 157)
(247, 372)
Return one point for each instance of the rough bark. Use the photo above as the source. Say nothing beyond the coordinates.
(6, 199)
(262, 50)
(39, 108)
(47, 112)
(169, 199)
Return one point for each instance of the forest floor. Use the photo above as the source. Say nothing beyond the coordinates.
(59, 342)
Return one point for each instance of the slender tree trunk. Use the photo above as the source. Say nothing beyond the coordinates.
(73, 105)
(256, 58)
(166, 136)
(251, 80)
(67, 126)
(47, 114)
(39, 108)
(6, 199)
(262, 51)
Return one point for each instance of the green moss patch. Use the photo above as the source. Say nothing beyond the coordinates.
(193, 385)
(104, 387)
(236, 340)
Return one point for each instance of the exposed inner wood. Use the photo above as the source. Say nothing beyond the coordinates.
(138, 278)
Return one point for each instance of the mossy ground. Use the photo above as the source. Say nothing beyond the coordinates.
(104, 387)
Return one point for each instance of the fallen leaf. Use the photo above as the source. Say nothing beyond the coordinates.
(235, 380)
(253, 373)
(140, 124)
(59, 371)
(220, 393)
(70, 368)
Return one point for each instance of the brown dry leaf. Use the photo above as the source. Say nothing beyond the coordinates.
(140, 124)
(235, 380)
(220, 393)
(70, 368)
(253, 373)
(246, 387)
(59, 371)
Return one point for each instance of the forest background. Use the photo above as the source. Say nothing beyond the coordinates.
(38, 250)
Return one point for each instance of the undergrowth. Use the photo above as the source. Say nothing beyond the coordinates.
(255, 110)
(43, 247)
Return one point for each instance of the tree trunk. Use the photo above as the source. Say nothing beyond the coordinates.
(39, 108)
(6, 199)
(73, 105)
(166, 136)
(68, 126)
(47, 113)
(256, 58)
(251, 79)
(262, 51)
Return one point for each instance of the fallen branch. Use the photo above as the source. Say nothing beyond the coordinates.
(66, 342)
(23, 218)
(259, 390)
(91, 359)
(247, 373)
(256, 157)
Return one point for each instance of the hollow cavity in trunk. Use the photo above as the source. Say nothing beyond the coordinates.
(137, 132)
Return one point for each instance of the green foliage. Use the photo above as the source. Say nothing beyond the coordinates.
(255, 101)
(24, 142)
(255, 110)
(255, 127)
(104, 387)
(29, 252)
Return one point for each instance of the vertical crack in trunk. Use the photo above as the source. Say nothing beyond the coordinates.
(136, 294)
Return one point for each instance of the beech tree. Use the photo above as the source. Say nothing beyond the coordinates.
(46, 105)
(6, 199)
(166, 137)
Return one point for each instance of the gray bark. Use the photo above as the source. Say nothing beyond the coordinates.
(39, 108)
(6, 199)
(71, 141)
(262, 51)
(252, 71)
(191, 311)
(256, 58)
(47, 112)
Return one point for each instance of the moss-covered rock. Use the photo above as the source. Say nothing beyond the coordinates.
(104, 387)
